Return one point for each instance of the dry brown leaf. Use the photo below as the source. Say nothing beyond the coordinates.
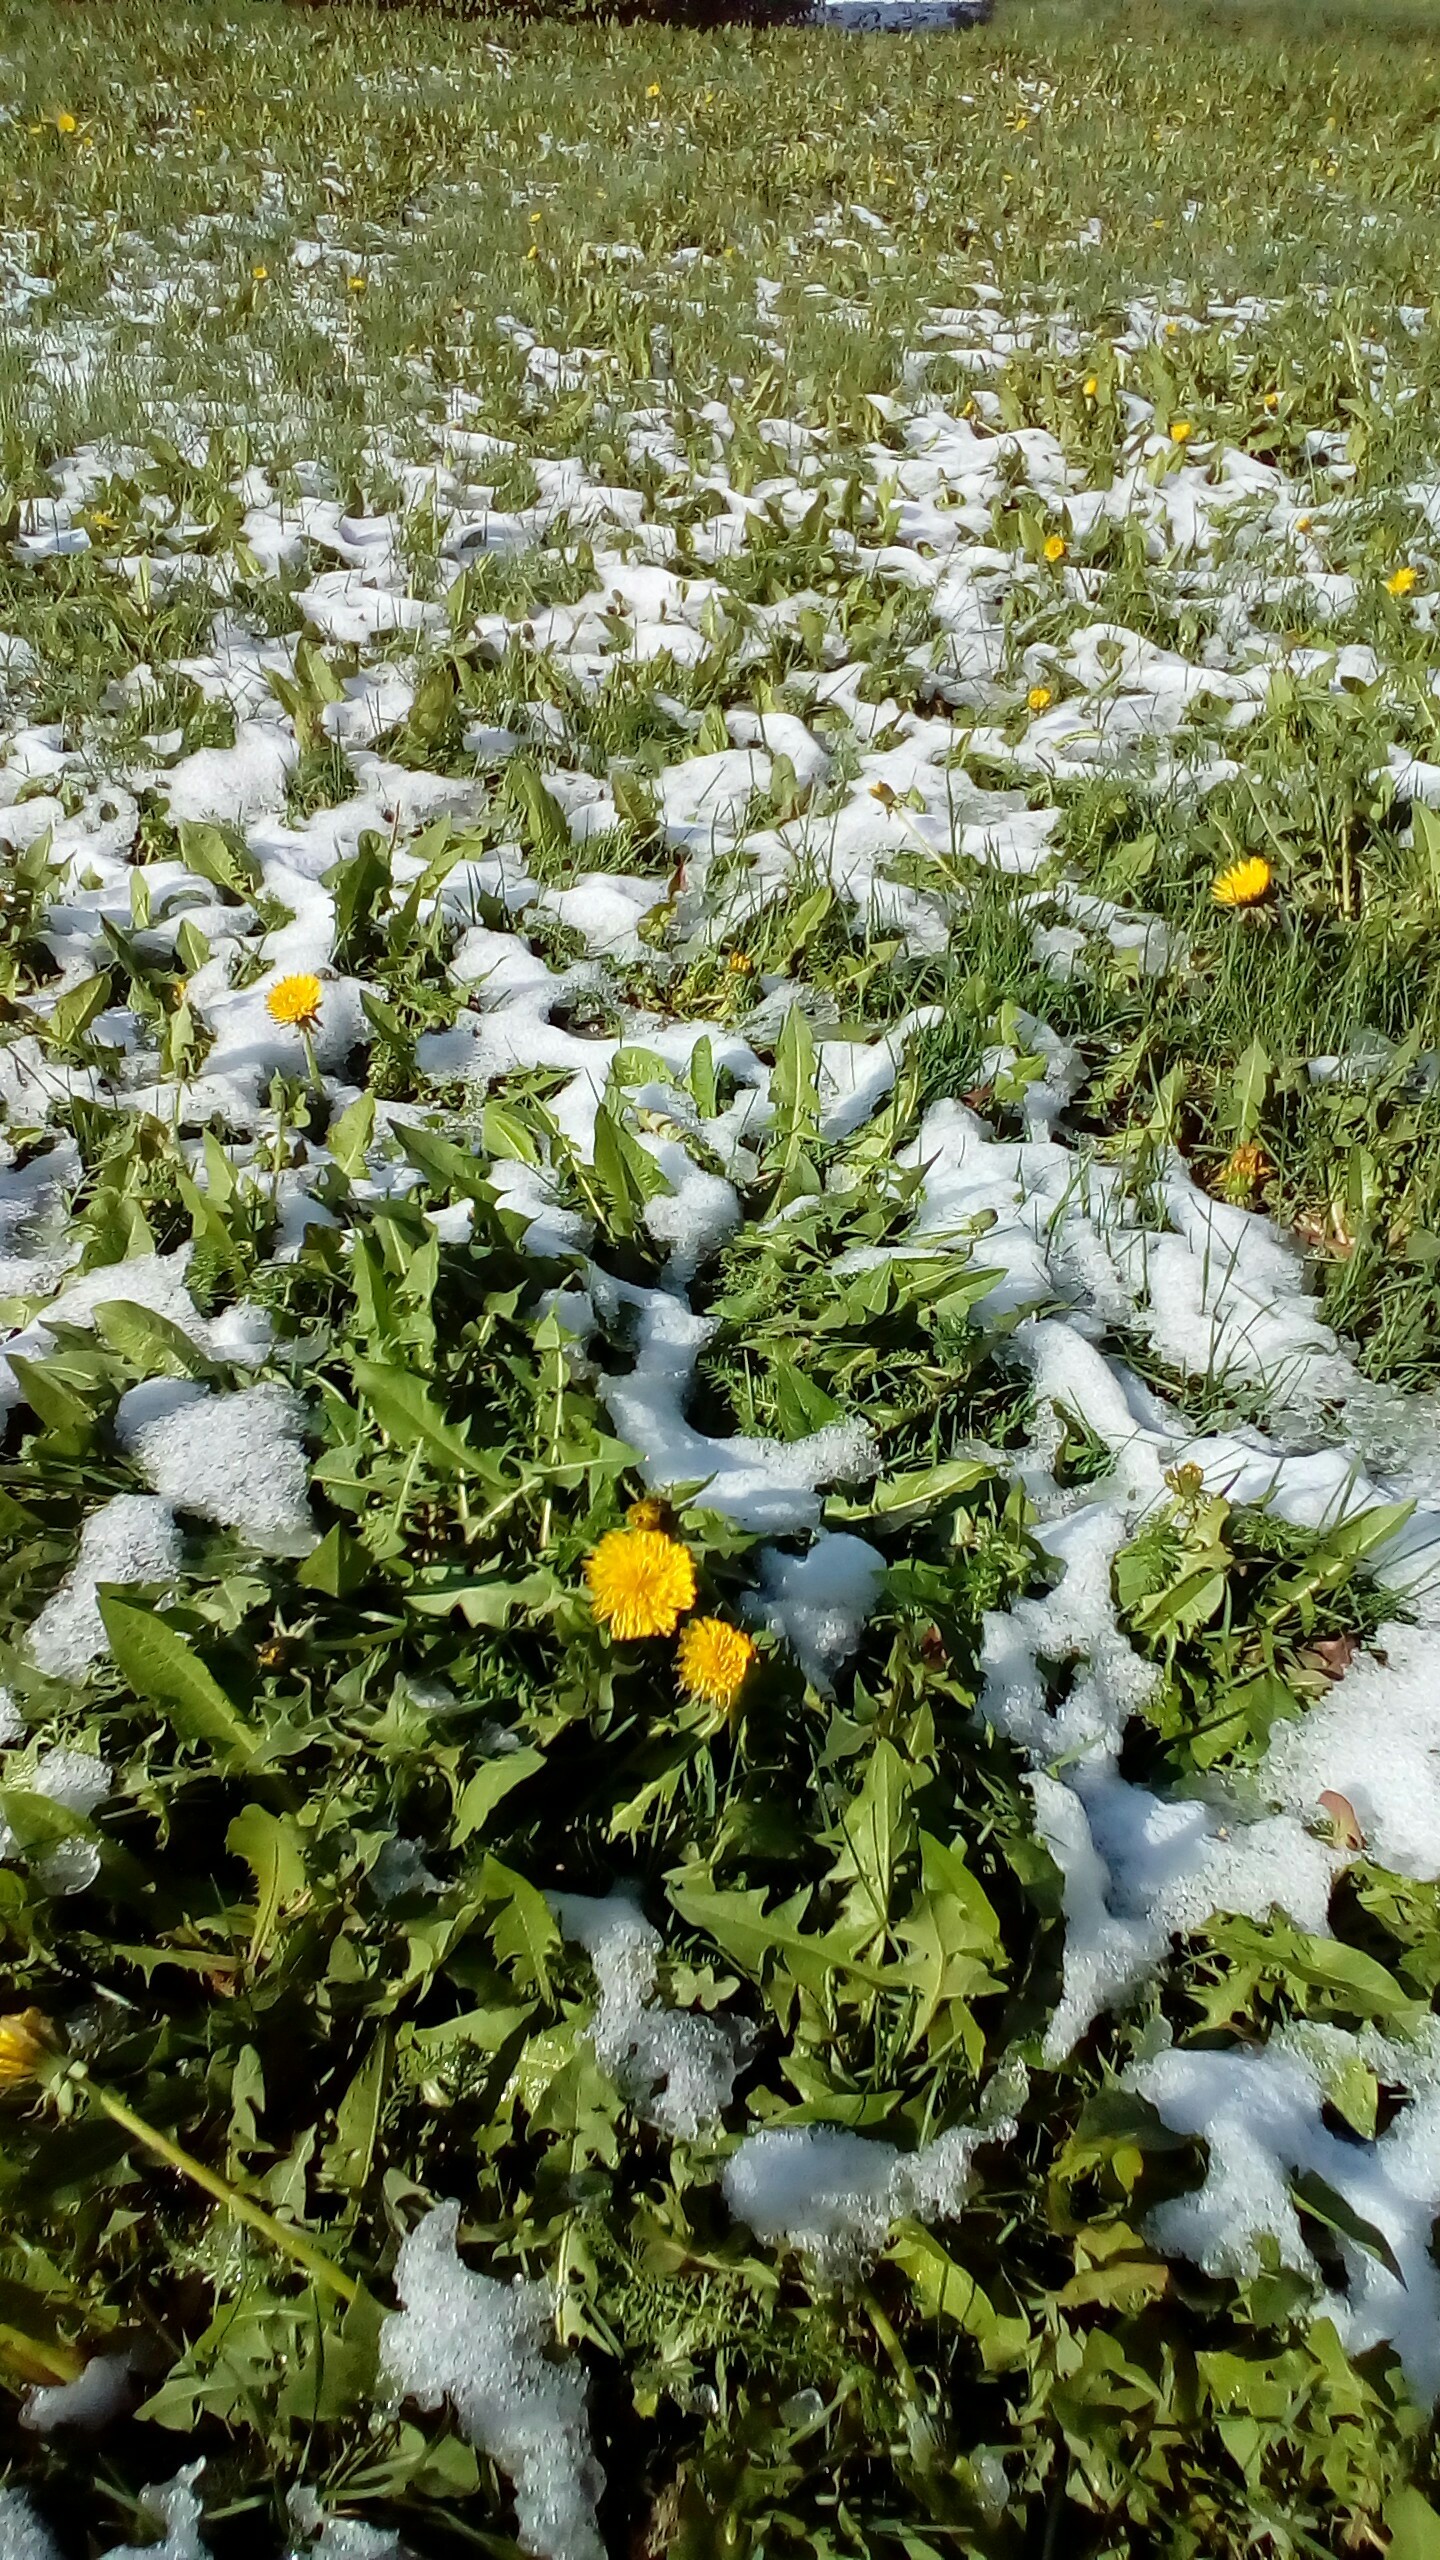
(1348, 1834)
(1332, 1654)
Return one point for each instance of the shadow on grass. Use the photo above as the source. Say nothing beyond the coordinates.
(703, 14)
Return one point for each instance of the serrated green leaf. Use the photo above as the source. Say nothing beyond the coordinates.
(150, 1342)
(489, 1787)
(273, 1849)
(349, 2156)
(947, 2291)
(350, 1134)
(1316, 2195)
(159, 1664)
(407, 1412)
(71, 1015)
(523, 1931)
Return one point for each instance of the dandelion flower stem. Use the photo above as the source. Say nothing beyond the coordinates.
(31, 2357)
(293, 2244)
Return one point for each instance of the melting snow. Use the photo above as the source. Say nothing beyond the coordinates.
(869, 800)
(485, 2347)
(679, 2069)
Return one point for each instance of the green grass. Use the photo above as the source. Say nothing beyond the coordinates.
(856, 1875)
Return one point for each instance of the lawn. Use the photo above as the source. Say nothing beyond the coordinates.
(720, 1206)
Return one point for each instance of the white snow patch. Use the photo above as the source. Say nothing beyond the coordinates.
(130, 1539)
(482, 2346)
(836, 2194)
(101, 2391)
(1260, 2116)
(818, 1603)
(677, 2068)
(235, 1459)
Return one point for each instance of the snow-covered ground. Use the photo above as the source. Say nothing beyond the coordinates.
(810, 783)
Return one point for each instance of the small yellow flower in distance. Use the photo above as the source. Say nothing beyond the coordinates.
(654, 89)
(1403, 581)
(355, 284)
(260, 275)
(647, 1513)
(1271, 400)
(24, 2041)
(712, 1661)
(1303, 523)
(295, 1002)
(1243, 1171)
(1181, 431)
(1244, 884)
(534, 249)
(641, 1582)
(65, 122)
(1091, 385)
(740, 964)
(199, 114)
(1055, 547)
(1039, 698)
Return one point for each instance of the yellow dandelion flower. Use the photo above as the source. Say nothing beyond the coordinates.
(260, 275)
(1243, 1171)
(648, 1513)
(25, 2039)
(641, 1582)
(355, 284)
(1039, 698)
(1181, 431)
(740, 964)
(66, 123)
(713, 1660)
(654, 89)
(1303, 523)
(1244, 884)
(1091, 385)
(295, 1002)
(1271, 400)
(1055, 547)
(1403, 581)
